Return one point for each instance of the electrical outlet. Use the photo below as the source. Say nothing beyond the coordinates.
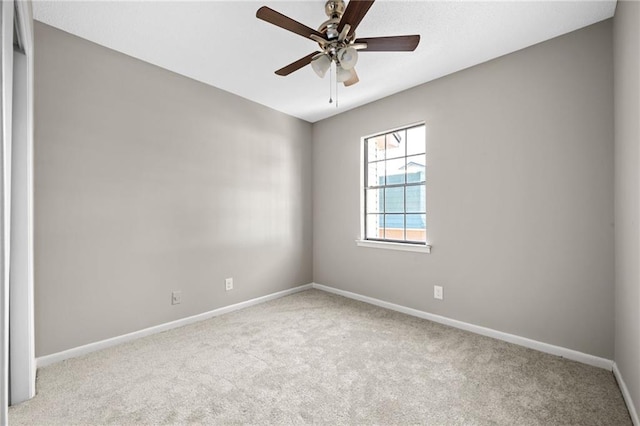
(176, 297)
(228, 284)
(438, 292)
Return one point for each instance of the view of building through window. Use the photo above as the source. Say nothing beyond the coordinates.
(395, 195)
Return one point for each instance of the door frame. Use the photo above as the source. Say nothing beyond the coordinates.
(22, 368)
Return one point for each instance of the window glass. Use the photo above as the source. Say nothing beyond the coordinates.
(395, 186)
(415, 140)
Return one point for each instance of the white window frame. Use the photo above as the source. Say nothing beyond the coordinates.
(362, 241)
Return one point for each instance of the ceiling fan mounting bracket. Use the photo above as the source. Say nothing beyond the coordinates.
(334, 9)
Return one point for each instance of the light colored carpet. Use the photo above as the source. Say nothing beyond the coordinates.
(314, 357)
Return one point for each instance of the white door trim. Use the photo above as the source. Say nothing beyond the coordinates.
(21, 315)
(6, 69)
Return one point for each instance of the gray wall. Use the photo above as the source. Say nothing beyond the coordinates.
(627, 194)
(519, 195)
(148, 182)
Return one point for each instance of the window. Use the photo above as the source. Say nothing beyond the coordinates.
(395, 187)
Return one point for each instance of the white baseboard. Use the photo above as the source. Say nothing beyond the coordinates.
(511, 338)
(626, 395)
(92, 347)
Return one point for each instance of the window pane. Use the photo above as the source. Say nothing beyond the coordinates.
(394, 200)
(416, 199)
(417, 227)
(375, 226)
(416, 140)
(375, 148)
(375, 200)
(396, 144)
(375, 174)
(394, 227)
(395, 171)
(416, 168)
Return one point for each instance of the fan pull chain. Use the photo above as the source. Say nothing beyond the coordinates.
(330, 85)
(336, 87)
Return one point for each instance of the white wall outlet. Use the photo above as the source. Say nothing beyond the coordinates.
(176, 297)
(438, 293)
(228, 284)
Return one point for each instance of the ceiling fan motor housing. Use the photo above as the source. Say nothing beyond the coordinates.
(334, 10)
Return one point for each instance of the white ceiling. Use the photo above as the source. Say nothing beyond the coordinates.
(223, 44)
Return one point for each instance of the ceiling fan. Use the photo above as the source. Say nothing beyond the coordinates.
(337, 40)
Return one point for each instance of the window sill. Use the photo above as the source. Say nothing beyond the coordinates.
(394, 246)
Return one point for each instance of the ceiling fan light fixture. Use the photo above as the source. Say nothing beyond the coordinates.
(342, 74)
(337, 40)
(321, 64)
(348, 57)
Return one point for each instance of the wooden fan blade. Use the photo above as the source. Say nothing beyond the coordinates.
(406, 43)
(353, 14)
(295, 66)
(282, 21)
(353, 79)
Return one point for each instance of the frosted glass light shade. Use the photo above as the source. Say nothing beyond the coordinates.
(348, 57)
(342, 74)
(321, 65)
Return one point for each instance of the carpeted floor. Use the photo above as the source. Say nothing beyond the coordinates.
(314, 357)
